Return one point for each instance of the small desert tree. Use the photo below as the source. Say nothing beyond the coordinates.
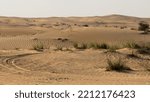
(144, 26)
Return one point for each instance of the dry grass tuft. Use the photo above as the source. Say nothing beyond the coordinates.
(80, 46)
(38, 47)
(117, 65)
(132, 45)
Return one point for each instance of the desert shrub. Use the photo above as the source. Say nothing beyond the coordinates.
(75, 45)
(65, 39)
(68, 49)
(117, 65)
(35, 39)
(144, 26)
(83, 46)
(62, 39)
(144, 49)
(59, 39)
(112, 48)
(146, 46)
(99, 46)
(132, 55)
(103, 46)
(85, 25)
(132, 45)
(121, 27)
(133, 29)
(92, 45)
(16, 48)
(80, 46)
(38, 47)
(59, 48)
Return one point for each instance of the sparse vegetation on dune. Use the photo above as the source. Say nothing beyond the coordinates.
(144, 49)
(132, 55)
(133, 45)
(85, 25)
(91, 45)
(144, 26)
(133, 29)
(94, 45)
(80, 46)
(141, 48)
(113, 48)
(117, 65)
(75, 45)
(59, 48)
(62, 39)
(38, 47)
(103, 46)
(68, 49)
(83, 46)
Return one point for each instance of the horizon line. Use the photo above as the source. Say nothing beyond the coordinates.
(71, 16)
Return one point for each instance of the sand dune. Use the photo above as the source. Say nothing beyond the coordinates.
(59, 62)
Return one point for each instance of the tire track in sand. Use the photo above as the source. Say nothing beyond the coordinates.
(8, 62)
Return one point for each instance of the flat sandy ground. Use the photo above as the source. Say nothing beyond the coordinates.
(21, 64)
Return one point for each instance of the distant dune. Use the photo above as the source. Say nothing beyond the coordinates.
(110, 19)
(111, 28)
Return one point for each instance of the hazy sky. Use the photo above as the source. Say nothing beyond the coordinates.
(46, 8)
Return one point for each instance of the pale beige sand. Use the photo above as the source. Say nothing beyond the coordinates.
(77, 67)
(20, 64)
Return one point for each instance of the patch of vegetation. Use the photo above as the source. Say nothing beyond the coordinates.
(132, 45)
(80, 46)
(75, 45)
(16, 48)
(103, 46)
(62, 39)
(121, 27)
(83, 46)
(92, 45)
(59, 38)
(59, 48)
(68, 49)
(133, 29)
(85, 25)
(65, 39)
(113, 49)
(132, 55)
(144, 26)
(98, 46)
(117, 65)
(38, 47)
(143, 51)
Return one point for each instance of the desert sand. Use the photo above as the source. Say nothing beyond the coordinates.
(59, 62)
